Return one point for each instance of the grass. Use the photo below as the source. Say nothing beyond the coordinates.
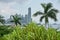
(32, 32)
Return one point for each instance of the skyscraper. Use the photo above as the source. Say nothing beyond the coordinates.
(27, 19)
(29, 14)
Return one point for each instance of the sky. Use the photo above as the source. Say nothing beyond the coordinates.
(11, 7)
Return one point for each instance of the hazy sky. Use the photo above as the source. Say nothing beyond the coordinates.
(11, 7)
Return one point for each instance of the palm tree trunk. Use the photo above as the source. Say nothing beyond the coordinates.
(46, 25)
(46, 22)
(16, 24)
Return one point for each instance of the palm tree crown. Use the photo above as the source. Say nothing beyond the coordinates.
(49, 12)
(16, 19)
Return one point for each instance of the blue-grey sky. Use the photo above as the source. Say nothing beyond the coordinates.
(11, 7)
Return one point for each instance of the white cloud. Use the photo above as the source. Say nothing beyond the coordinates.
(9, 7)
(6, 10)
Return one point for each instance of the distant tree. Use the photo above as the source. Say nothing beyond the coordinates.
(49, 12)
(2, 20)
(16, 19)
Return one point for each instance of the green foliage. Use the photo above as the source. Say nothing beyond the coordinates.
(2, 20)
(16, 19)
(5, 30)
(51, 34)
(58, 35)
(32, 32)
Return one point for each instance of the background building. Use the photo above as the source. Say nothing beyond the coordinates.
(24, 20)
(27, 19)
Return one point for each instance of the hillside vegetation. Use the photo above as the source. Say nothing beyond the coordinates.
(29, 32)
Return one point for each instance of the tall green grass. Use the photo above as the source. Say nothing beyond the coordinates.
(32, 32)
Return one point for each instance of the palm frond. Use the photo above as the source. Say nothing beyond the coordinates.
(53, 10)
(11, 20)
(43, 5)
(48, 6)
(15, 19)
(19, 18)
(55, 19)
(37, 13)
(19, 23)
(53, 16)
(41, 18)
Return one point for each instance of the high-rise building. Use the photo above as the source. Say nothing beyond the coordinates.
(27, 19)
(29, 14)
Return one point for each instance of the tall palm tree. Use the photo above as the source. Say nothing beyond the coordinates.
(2, 19)
(49, 12)
(16, 19)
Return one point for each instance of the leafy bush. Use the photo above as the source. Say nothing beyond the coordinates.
(5, 30)
(32, 32)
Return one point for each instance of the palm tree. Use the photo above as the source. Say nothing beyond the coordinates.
(16, 19)
(49, 12)
(2, 19)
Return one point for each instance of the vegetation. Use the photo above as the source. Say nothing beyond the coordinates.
(32, 32)
(5, 30)
(16, 19)
(2, 20)
(48, 12)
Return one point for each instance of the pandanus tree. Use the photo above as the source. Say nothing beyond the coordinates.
(2, 19)
(49, 12)
(15, 19)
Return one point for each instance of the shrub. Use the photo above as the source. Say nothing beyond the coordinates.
(32, 32)
(5, 30)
